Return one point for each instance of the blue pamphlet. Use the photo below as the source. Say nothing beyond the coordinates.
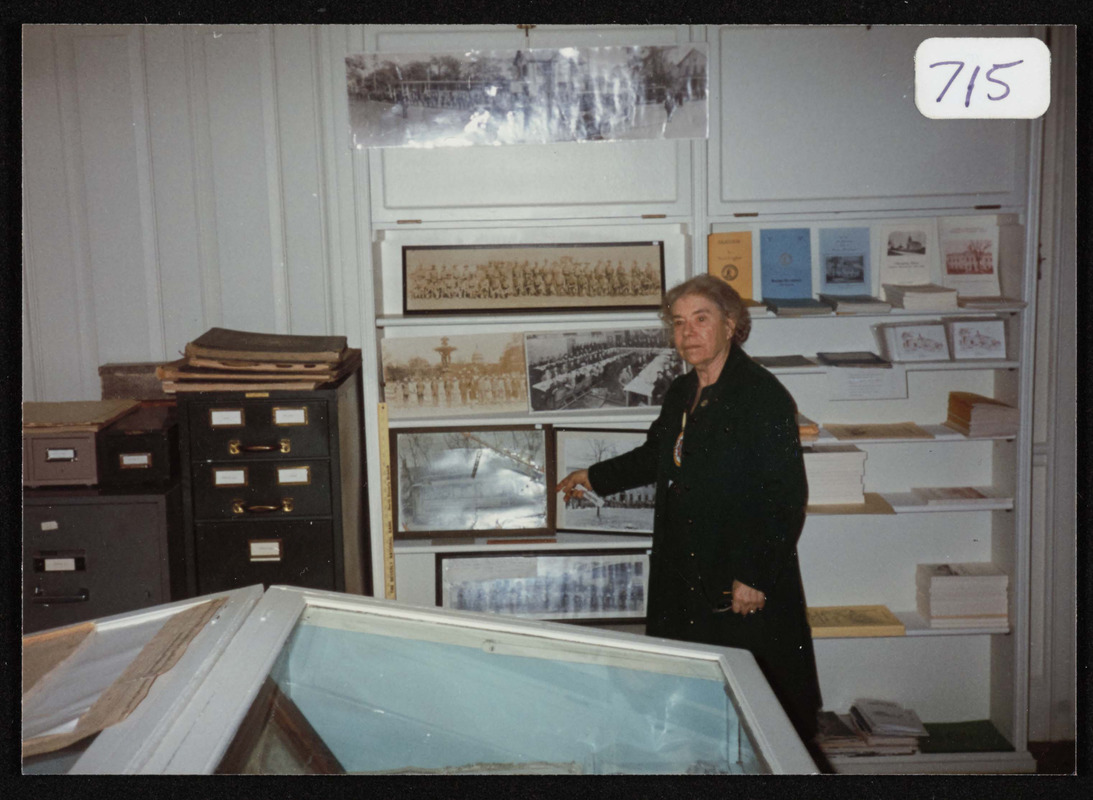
(844, 261)
(786, 262)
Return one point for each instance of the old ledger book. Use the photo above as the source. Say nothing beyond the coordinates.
(729, 258)
(840, 621)
(224, 343)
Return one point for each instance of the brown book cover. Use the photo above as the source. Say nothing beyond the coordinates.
(181, 371)
(833, 621)
(75, 415)
(225, 343)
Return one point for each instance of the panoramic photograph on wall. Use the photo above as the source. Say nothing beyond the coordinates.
(540, 96)
(612, 369)
(428, 376)
(630, 511)
(569, 586)
(536, 277)
(451, 482)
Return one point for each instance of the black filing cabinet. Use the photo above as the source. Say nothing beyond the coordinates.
(273, 488)
(91, 553)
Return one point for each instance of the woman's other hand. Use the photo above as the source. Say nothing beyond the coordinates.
(746, 600)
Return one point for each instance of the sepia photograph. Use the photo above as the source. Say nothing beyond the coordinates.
(629, 511)
(904, 242)
(977, 338)
(454, 375)
(568, 587)
(612, 369)
(455, 482)
(459, 279)
(535, 96)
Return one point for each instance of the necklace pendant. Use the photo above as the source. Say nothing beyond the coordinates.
(677, 451)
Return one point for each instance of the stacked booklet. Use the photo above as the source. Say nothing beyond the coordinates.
(222, 359)
(965, 595)
(887, 723)
(836, 475)
(923, 297)
(975, 415)
(856, 303)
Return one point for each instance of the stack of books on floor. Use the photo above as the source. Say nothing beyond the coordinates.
(965, 595)
(228, 360)
(872, 728)
(975, 415)
(836, 475)
(922, 297)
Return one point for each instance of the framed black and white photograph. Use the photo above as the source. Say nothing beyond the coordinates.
(608, 585)
(478, 374)
(534, 96)
(587, 370)
(977, 338)
(914, 341)
(464, 279)
(459, 482)
(630, 511)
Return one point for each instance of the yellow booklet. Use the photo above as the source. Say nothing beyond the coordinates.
(836, 621)
(729, 258)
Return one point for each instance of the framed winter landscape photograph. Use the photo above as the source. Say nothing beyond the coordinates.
(630, 511)
(475, 279)
(573, 586)
(456, 482)
(612, 369)
(977, 338)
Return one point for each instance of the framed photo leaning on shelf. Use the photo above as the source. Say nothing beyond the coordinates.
(624, 512)
(463, 481)
(977, 338)
(482, 279)
(573, 586)
(437, 376)
(588, 370)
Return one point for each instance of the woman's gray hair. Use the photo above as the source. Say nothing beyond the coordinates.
(726, 298)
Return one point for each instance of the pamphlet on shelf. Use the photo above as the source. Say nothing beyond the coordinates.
(845, 265)
(907, 251)
(797, 306)
(784, 362)
(969, 254)
(856, 304)
(785, 261)
(728, 257)
(853, 358)
(850, 621)
(867, 383)
(877, 430)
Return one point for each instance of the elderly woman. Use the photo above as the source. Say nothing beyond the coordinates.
(730, 499)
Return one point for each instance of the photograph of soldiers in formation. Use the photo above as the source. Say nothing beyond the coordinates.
(535, 96)
(583, 370)
(543, 277)
(630, 511)
(563, 587)
(454, 375)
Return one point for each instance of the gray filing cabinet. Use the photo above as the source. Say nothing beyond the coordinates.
(91, 553)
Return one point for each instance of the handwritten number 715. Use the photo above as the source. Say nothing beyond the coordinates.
(971, 84)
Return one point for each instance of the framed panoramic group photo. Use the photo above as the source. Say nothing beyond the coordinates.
(487, 278)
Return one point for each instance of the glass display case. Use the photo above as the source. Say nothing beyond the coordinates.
(321, 682)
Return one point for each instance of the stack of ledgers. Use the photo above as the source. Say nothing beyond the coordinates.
(921, 297)
(871, 728)
(835, 474)
(228, 360)
(975, 415)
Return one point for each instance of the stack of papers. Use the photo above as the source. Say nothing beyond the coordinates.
(835, 474)
(856, 304)
(975, 415)
(887, 722)
(965, 595)
(924, 297)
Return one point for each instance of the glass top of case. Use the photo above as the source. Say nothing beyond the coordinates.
(363, 694)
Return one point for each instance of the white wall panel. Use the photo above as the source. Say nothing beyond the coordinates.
(237, 135)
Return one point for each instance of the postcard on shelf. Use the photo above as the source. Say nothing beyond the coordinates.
(923, 341)
(867, 383)
(832, 621)
(969, 254)
(977, 338)
(728, 257)
(907, 251)
(845, 265)
(785, 262)
(853, 358)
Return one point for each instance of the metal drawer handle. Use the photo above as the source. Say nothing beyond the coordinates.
(81, 596)
(235, 447)
(238, 507)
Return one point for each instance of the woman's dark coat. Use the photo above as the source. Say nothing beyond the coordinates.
(733, 509)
